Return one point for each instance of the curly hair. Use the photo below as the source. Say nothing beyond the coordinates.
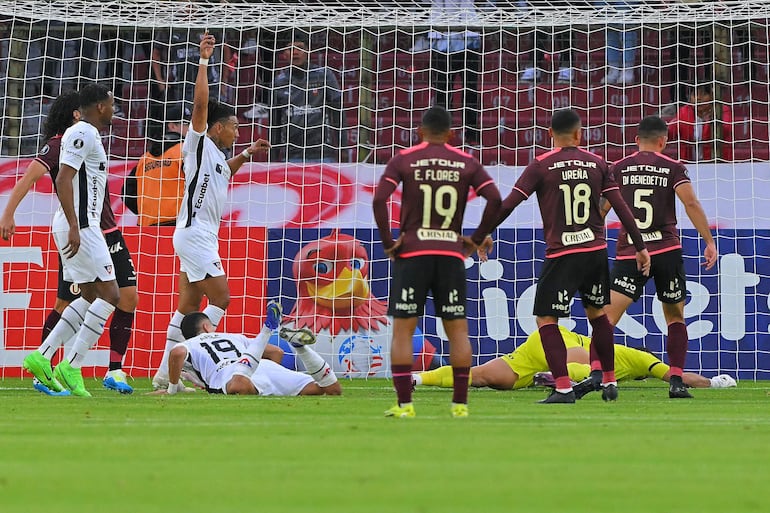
(59, 116)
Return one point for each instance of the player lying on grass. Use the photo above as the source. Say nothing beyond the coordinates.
(518, 369)
(228, 363)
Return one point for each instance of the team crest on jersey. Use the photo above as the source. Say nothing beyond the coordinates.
(219, 168)
(77, 143)
(108, 268)
(44, 150)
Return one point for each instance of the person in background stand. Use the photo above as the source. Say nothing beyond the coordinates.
(306, 110)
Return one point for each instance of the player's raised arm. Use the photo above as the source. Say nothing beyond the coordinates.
(694, 210)
(35, 171)
(201, 95)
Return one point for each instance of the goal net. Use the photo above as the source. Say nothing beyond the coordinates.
(338, 88)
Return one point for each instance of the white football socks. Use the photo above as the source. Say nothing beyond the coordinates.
(93, 326)
(316, 366)
(67, 327)
(255, 348)
(173, 337)
(215, 314)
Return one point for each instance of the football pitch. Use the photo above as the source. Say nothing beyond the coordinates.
(212, 454)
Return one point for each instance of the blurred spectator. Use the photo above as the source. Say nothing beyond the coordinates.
(622, 40)
(183, 55)
(457, 53)
(703, 128)
(159, 92)
(553, 48)
(306, 110)
(155, 187)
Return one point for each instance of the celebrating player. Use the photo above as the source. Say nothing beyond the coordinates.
(569, 182)
(214, 128)
(63, 114)
(520, 368)
(649, 182)
(430, 250)
(81, 185)
(233, 364)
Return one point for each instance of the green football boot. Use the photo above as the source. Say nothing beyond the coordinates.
(37, 365)
(71, 378)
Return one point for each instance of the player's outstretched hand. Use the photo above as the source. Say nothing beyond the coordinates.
(468, 246)
(485, 248)
(392, 251)
(7, 227)
(710, 254)
(207, 45)
(73, 242)
(723, 381)
(643, 261)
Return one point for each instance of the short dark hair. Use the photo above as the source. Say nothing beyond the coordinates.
(93, 94)
(652, 127)
(218, 112)
(60, 116)
(564, 121)
(437, 120)
(192, 324)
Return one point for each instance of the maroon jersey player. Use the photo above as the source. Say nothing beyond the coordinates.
(569, 183)
(430, 250)
(650, 182)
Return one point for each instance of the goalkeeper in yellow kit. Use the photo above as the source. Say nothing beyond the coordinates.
(518, 369)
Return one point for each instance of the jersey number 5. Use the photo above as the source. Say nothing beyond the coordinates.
(641, 205)
(444, 200)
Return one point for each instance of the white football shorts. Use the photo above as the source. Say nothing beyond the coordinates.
(91, 262)
(198, 252)
(273, 379)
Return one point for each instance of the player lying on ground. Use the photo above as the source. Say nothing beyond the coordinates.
(227, 363)
(518, 369)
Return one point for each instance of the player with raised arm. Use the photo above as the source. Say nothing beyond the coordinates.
(81, 185)
(569, 183)
(227, 363)
(63, 114)
(213, 128)
(430, 250)
(527, 366)
(650, 182)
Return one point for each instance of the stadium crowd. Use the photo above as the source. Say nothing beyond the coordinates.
(329, 73)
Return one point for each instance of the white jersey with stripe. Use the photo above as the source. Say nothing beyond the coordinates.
(210, 352)
(207, 178)
(82, 149)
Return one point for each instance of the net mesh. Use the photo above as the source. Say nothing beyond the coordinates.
(502, 68)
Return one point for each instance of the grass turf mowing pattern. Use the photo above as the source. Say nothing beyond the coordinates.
(211, 454)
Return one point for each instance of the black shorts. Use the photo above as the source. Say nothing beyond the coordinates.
(666, 269)
(125, 273)
(413, 277)
(561, 277)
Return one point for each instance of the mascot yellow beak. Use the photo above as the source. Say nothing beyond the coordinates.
(347, 291)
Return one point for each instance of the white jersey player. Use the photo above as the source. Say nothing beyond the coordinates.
(81, 185)
(213, 129)
(232, 363)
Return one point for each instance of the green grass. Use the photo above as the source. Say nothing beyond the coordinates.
(213, 454)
